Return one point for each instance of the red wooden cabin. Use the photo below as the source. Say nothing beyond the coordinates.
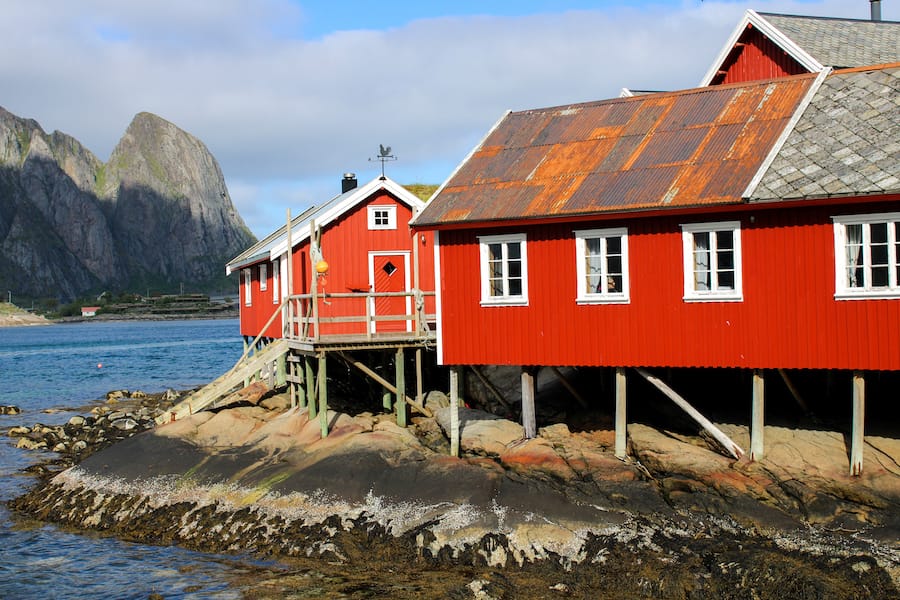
(766, 45)
(752, 225)
(364, 239)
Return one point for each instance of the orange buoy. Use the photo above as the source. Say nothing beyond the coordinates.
(321, 267)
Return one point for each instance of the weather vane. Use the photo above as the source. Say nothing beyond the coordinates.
(384, 155)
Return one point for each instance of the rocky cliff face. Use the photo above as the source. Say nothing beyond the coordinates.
(157, 214)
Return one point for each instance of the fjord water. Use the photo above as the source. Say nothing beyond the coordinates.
(53, 372)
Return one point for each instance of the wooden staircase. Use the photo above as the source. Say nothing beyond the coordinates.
(245, 368)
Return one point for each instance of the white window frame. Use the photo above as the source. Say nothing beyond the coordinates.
(263, 277)
(248, 287)
(390, 213)
(585, 295)
(715, 293)
(505, 299)
(276, 287)
(842, 287)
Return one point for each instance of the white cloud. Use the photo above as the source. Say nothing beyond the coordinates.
(286, 117)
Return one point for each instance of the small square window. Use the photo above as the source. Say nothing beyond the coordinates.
(602, 266)
(712, 261)
(383, 217)
(504, 269)
(867, 256)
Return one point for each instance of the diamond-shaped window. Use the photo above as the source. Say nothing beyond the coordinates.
(389, 268)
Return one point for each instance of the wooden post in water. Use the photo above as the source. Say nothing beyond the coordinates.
(454, 411)
(400, 379)
(528, 393)
(322, 387)
(246, 352)
(621, 420)
(310, 388)
(857, 431)
(757, 417)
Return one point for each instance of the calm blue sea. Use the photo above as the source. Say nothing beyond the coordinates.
(52, 372)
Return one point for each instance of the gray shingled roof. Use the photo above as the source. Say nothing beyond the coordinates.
(846, 142)
(841, 42)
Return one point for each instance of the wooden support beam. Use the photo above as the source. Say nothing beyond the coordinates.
(794, 391)
(384, 382)
(528, 393)
(726, 442)
(857, 431)
(311, 385)
(621, 421)
(322, 388)
(304, 385)
(490, 387)
(568, 385)
(454, 411)
(757, 417)
(400, 378)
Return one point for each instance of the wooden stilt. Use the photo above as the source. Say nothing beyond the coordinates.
(303, 388)
(292, 384)
(322, 388)
(757, 417)
(280, 371)
(857, 432)
(714, 431)
(311, 387)
(621, 420)
(528, 392)
(246, 351)
(454, 411)
(420, 391)
(400, 378)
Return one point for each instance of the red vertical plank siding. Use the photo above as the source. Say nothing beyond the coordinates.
(788, 318)
(759, 58)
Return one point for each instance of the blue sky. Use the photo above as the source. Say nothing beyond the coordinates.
(290, 94)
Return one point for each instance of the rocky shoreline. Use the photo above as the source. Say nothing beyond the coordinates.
(384, 511)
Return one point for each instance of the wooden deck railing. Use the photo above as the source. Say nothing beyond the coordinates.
(302, 322)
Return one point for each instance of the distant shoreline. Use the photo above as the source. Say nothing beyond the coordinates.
(30, 320)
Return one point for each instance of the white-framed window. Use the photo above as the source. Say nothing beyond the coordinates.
(248, 282)
(602, 265)
(263, 278)
(504, 269)
(712, 261)
(383, 217)
(275, 283)
(867, 256)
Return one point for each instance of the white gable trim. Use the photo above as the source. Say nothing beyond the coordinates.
(788, 129)
(300, 232)
(771, 32)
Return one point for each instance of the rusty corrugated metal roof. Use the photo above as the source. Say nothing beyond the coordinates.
(694, 147)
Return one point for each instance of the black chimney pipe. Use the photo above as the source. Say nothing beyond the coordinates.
(348, 182)
(875, 9)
